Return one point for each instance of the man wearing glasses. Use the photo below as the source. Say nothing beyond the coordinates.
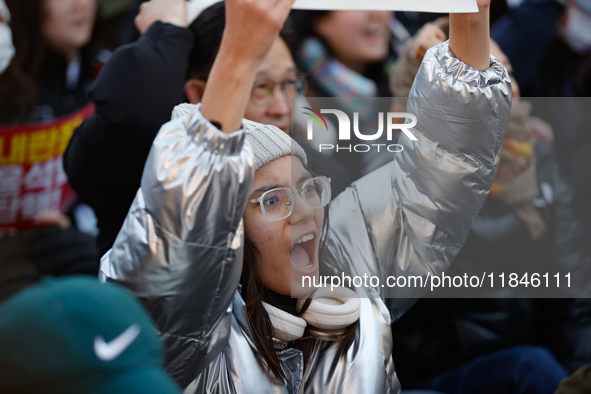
(137, 90)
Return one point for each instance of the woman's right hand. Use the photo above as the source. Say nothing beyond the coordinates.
(251, 28)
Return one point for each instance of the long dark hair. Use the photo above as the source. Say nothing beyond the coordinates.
(31, 49)
(254, 294)
(18, 86)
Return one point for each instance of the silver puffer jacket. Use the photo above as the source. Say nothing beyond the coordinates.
(180, 248)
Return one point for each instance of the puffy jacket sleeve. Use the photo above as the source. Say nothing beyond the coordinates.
(412, 216)
(180, 248)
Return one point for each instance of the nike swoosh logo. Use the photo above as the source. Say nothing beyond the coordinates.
(110, 351)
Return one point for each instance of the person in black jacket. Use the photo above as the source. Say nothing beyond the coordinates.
(135, 94)
(105, 157)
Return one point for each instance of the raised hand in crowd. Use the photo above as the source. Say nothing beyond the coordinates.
(166, 11)
(429, 36)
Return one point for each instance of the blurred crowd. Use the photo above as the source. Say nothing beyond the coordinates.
(90, 83)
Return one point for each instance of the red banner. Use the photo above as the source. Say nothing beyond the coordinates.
(32, 178)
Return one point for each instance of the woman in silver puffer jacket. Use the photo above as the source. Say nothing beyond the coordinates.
(208, 239)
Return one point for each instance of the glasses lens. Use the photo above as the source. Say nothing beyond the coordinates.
(316, 192)
(301, 84)
(277, 204)
(290, 88)
(262, 91)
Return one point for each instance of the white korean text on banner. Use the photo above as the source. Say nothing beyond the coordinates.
(32, 179)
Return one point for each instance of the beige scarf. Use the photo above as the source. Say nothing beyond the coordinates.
(516, 183)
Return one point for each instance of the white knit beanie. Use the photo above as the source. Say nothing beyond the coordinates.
(268, 142)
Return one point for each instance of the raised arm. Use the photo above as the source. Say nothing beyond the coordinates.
(469, 36)
(251, 28)
(411, 217)
(181, 246)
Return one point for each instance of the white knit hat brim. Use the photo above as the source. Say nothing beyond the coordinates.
(267, 142)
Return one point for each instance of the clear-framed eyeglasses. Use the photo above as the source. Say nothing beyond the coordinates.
(263, 89)
(278, 203)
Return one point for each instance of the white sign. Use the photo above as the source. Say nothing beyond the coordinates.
(440, 6)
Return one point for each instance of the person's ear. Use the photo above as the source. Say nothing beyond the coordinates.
(194, 89)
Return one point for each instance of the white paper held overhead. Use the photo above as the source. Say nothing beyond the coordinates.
(441, 6)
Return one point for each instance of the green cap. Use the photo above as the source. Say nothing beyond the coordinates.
(77, 335)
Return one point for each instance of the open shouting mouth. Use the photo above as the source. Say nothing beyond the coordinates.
(303, 252)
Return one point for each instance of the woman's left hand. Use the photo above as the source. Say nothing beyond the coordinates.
(469, 36)
(483, 4)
